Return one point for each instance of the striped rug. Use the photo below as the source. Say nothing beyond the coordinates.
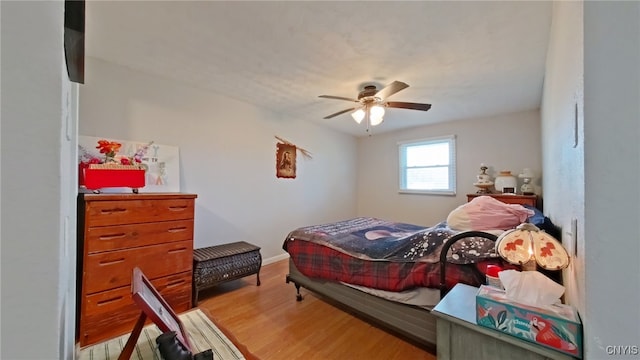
(203, 335)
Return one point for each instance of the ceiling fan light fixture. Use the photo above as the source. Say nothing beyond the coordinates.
(358, 115)
(371, 103)
(376, 113)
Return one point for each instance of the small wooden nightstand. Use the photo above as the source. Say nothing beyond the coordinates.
(531, 200)
(459, 337)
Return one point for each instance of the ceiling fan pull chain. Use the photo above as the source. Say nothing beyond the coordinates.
(368, 115)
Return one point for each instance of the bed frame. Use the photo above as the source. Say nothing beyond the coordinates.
(414, 323)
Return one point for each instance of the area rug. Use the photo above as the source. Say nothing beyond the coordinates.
(203, 335)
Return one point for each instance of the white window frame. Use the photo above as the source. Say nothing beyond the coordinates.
(402, 147)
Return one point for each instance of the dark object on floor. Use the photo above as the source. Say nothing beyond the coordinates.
(205, 355)
(172, 349)
(214, 265)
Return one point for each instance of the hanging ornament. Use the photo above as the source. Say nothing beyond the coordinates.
(286, 154)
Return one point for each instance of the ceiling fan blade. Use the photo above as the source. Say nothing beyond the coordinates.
(338, 98)
(339, 113)
(408, 105)
(391, 89)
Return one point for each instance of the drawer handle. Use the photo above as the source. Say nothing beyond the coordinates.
(106, 301)
(178, 208)
(114, 210)
(112, 236)
(177, 250)
(175, 283)
(178, 229)
(111, 262)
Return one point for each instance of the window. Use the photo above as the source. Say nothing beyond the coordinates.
(428, 166)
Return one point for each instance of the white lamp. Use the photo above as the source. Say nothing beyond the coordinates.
(528, 246)
(358, 115)
(375, 112)
(527, 175)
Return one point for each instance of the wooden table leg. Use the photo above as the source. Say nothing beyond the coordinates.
(133, 338)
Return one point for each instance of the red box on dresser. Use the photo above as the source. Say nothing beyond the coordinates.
(123, 176)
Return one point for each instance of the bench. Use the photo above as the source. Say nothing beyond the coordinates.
(217, 264)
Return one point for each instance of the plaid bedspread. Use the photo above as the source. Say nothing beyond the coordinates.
(333, 252)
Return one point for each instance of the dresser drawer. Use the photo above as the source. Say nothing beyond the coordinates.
(121, 212)
(110, 313)
(176, 290)
(170, 287)
(109, 270)
(109, 238)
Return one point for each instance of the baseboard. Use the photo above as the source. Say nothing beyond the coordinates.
(275, 258)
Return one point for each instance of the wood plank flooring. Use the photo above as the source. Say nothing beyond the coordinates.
(269, 321)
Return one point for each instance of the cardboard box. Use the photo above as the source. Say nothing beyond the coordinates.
(556, 326)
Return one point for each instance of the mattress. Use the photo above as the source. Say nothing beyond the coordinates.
(423, 297)
(321, 262)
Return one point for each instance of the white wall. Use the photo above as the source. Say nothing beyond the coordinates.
(38, 188)
(227, 155)
(612, 170)
(596, 182)
(563, 139)
(505, 142)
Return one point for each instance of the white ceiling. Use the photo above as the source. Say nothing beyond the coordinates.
(468, 59)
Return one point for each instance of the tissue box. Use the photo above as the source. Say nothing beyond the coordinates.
(555, 326)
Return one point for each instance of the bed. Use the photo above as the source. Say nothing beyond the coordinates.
(338, 262)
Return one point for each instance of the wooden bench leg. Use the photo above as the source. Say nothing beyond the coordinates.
(194, 295)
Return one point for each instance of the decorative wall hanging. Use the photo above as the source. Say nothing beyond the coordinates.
(286, 155)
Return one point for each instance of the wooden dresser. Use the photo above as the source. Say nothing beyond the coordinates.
(531, 200)
(117, 232)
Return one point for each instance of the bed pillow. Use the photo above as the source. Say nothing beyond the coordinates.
(487, 213)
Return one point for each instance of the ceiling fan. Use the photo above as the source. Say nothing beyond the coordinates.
(371, 103)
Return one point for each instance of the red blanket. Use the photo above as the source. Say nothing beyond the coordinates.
(333, 252)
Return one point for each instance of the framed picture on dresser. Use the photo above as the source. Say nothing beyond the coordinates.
(154, 307)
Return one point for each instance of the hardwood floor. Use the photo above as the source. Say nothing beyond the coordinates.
(269, 321)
